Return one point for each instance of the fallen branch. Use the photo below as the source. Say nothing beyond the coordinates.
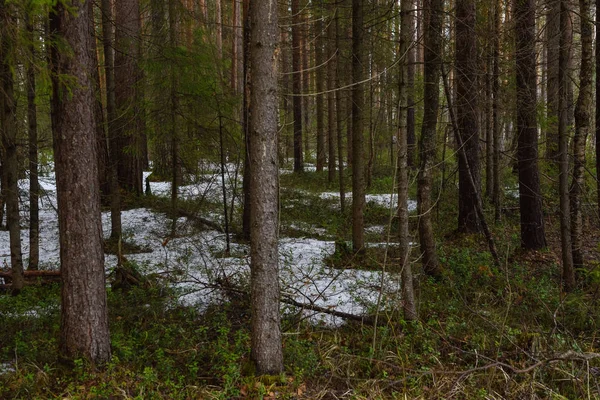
(365, 319)
(32, 274)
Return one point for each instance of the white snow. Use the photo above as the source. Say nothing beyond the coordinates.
(196, 257)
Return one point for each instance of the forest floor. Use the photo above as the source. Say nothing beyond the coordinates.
(483, 332)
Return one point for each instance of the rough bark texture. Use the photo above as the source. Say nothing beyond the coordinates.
(358, 103)
(467, 115)
(297, 86)
(408, 294)
(84, 318)
(267, 352)
(597, 115)
(582, 131)
(563, 153)
(34, 186)
(236, 54)
(111, 116)
(530, 201)
(8, 127)
(127, 95)
(432, 45)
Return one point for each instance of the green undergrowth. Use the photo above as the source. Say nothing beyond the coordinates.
(482, 332)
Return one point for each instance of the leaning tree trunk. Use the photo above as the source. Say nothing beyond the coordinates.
(582, 130)
(84, 316)
(467, 118)
(8, 126)
(267, 352)
(432, 59)
(408, 293)
(530, 200)
(358, 103)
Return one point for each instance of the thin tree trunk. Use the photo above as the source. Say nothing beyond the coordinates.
(111, 115)
(410, 88)
(320, 83)
(497, 134)
(219, 29)
(331, 110)
(408, 294)
(247, 212)
(432, 48)
(236, 53)
(358, 103)
(582, 130)
(8, 120)
(339, 115)
(84, 314)
(267, 352)
(176, 177)
(34, 186)
(530, 201)
(552, 86)
(297, 86)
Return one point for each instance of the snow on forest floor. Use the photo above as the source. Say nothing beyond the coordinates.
(197, 257)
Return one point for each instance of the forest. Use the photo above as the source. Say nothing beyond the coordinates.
(299, 199)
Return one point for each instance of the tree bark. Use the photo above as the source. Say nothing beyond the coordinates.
(432, 48)
(339, 115)
(358, 103)
(530, 201)
(267, 352)
(247, 212)
(331, 110)
(84, 317)
(582, 130)
(552, 68)
(408, 293)
(496, 124)
(467, 115)
(34, 185)
(297, 86)
(127, 95)
(320, 83)
(597, 114)
(111, 116)
(8, 126)
(410, 88)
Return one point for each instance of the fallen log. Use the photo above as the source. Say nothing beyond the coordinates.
(32, 274)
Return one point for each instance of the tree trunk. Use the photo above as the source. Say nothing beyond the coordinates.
(467, 115)
(267, 352)
(410, 89)
(111, 116)
(496, 124)
(408, 294)
(127, 95)
(597, 114)
(358, 103)
(8, 121)
(320, 81)
(84, 317)
(582, 130)
(563, 153)
(247, 81)
(530, 201)
(432, 48)
(34, 185)
(339, 115)
(331, 110)
(552, 68)
(297, 86)
(236, 53)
